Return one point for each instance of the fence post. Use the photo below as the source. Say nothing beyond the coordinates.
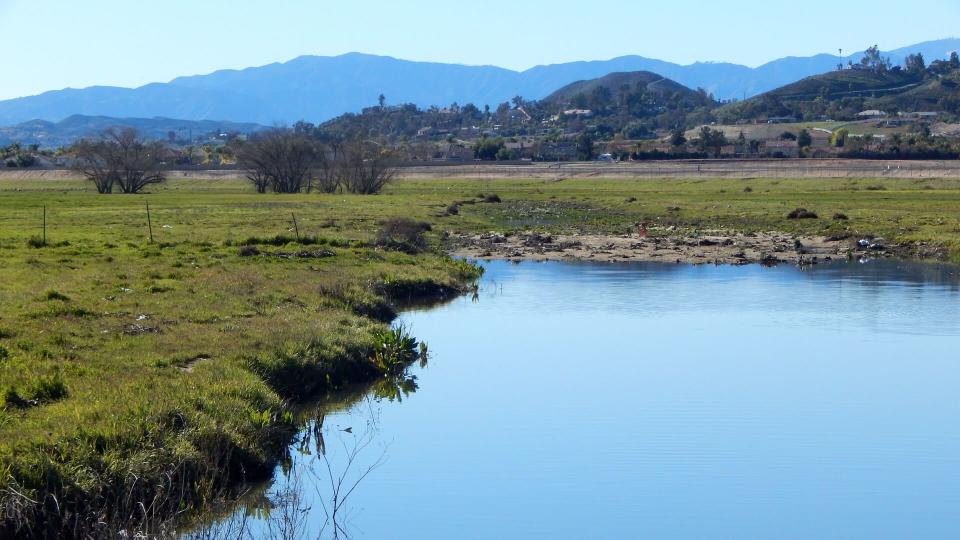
(296, 229)
(44, 224)
(149, 222)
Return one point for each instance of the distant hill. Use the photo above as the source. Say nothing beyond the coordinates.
(633, 104)
(316, 88)
(616, 83)
(55, 134)
(843, 94)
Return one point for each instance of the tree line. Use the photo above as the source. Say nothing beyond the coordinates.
(280, 160)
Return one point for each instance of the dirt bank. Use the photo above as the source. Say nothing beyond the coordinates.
(712, 247)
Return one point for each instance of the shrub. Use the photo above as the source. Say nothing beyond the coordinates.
(492, 198)
(453, 209)
(403, 234)
(4, 353)
(748, 189)
(801, 213)
(876, 187)
(840, 217)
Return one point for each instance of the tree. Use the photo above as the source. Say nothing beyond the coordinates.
(804, 139)
(585, 149)
(711, 140)
(678, 138)
(120, 158)
(914, 64)
(487, 149)
(954, 60)
(364, 168)
(381, 100)
(874, 61)
(839, 138)
(280, 159)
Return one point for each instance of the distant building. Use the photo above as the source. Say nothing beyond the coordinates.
(872, 113)
(781, 120)
(578, 112)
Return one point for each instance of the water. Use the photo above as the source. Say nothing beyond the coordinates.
(653, 401)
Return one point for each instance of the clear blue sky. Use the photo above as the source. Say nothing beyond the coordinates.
(53, 44)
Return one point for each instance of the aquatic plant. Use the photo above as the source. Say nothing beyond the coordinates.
(394, 349)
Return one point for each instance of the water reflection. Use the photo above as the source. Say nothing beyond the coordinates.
(652, 400)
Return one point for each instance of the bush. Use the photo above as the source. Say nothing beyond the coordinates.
(840, 217)
(802, 213)
(403, 234)
(492, 198)
(453, 209)
(4, 353)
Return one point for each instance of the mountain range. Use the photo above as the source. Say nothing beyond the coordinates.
(317, 88)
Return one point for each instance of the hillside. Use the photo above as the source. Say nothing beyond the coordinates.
(618, 84)
(635, 105)
(318, 88)
(841, 95)
(50, 134)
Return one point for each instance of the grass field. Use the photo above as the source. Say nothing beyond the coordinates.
(148, 360)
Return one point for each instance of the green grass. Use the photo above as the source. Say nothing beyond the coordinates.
(148, 359)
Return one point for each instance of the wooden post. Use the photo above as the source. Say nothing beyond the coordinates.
(149, 222)
(44, 224)
(296, 229)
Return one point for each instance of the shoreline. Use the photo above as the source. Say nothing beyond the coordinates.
(667, 246)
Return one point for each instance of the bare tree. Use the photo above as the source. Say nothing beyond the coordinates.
(96, 161)
(280, 159)
(365, 167)
(120, 158)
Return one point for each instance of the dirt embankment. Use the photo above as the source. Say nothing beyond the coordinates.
(666, 246)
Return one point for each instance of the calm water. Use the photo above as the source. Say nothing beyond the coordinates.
(649, 401)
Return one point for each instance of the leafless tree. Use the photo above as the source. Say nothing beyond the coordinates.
(365, 167)
(280, 159)
(96, 161)
(120, 157)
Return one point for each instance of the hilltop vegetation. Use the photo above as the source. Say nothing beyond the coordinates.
(870, 85)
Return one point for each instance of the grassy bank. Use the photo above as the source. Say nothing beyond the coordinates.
(158, 373)
(132, 371)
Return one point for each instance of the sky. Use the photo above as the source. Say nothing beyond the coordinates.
(54, 44)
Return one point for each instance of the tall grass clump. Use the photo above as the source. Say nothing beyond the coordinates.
(403, 234)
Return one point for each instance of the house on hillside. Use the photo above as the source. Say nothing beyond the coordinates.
(586, 113)
(453, 152)
(778, 148)
(871, 114)
(781, 120)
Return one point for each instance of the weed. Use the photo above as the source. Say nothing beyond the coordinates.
(50, 388)
(36, 242)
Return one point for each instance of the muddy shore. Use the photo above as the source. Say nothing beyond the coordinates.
(711, 247)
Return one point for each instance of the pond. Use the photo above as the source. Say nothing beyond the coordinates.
(574, 400)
